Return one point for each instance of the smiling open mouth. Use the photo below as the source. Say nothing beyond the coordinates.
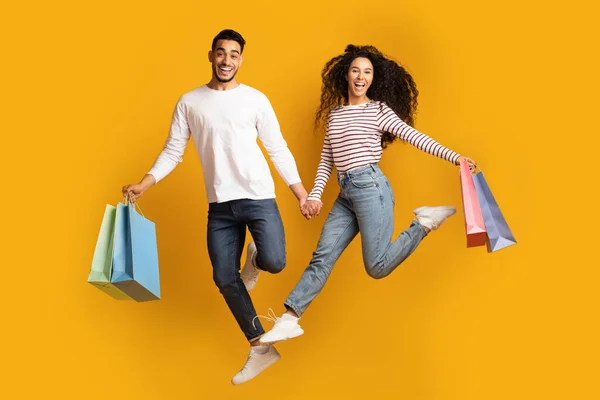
(359, 85)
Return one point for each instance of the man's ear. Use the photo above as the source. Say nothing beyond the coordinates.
(210, 55)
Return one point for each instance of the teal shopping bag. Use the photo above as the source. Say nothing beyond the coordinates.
(135, 256)
(100, 274)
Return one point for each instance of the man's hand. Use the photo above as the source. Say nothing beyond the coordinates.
(302, 203)
(312, 208)
(135, 191)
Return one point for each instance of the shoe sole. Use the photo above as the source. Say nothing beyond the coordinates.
(284, 339)
(248, 286)
(249, 257)
(417, 211)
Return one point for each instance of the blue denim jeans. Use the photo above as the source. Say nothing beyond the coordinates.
(366, 205)
(226, 233)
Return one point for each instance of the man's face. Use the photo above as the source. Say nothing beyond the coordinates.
(225, 59)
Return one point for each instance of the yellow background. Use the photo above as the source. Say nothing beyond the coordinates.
(88, 89)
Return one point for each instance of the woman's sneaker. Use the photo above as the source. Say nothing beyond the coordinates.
(285, 328)
(433, 217)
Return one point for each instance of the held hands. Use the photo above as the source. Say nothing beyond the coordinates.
(310, 208)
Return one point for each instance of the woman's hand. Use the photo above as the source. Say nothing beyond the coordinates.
(472, 164)
(311, 208)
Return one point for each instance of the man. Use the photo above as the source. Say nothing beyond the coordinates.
(225, 118)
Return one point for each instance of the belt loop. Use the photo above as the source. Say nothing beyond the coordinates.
(372, 167)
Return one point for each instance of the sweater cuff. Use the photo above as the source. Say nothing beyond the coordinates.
(455, 159)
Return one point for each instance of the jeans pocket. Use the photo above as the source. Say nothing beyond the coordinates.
(363, 181)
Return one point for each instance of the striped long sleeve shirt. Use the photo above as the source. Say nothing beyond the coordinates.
(353, 140)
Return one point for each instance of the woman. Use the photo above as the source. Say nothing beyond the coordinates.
(367, 101)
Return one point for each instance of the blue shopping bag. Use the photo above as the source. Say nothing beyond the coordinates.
(499, 235)
(135, 255)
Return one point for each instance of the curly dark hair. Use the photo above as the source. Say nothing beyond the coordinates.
(392, 84)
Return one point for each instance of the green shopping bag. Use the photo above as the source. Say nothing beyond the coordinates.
(103, 257)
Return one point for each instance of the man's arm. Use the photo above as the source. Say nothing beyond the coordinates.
(169, 157)
(269, 133)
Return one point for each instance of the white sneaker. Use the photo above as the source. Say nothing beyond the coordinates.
(256, 364)
(433, 217)
(285, 328)
(250, 271)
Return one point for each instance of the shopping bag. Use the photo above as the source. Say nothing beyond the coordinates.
(499, 234)
(135, 256)
(474, 225)
(100, 273)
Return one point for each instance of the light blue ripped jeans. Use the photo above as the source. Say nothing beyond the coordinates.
(366, 205)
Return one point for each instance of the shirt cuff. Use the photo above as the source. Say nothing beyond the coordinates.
(157, 177)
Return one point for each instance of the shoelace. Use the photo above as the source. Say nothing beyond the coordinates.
(250, 357)
(269, 317)
(245, 367)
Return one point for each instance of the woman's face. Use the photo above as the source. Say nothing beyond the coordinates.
(359, 77)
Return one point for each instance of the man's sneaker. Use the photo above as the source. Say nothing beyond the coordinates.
(285, 328)
(257, 362)
(433, 217)
(250, 271)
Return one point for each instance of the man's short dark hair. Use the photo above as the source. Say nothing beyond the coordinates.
(229, 34)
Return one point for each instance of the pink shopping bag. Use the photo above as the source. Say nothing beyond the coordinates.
(474, 225)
